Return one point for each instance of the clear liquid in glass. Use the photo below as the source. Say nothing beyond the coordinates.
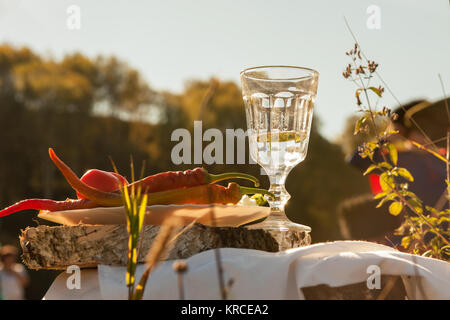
(278, 150)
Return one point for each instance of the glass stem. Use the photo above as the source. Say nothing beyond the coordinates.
(281, 195)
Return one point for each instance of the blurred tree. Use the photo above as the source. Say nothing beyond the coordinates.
(218, 104)
(120, 86)
(47, 103)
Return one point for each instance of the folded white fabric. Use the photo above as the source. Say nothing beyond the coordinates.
(263, 275)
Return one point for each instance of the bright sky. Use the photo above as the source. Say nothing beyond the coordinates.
(172, 41)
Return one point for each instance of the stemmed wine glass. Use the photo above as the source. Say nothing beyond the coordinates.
(279, 107)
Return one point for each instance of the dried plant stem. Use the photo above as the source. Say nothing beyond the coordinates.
(180, 267)
(448, 167)
(220, 274)
(448, 137)
(393, 245)
(180, 285)
(387, 288)
(217, 256)
(154, 255)
(424, 134)
(214, 83)
(437, 155)
(388, 88)
(434, 141)
(372, 117)
(445, 97)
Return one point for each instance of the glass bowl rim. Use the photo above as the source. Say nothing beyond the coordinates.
(313, 73)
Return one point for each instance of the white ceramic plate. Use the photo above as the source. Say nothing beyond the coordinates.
(224, 215)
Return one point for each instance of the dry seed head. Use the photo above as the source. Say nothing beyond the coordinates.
(372, 66)
(180, 266)
(348, 71)
(360, 70)
(358, 100)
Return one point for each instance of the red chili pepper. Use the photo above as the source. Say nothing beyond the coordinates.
(204, 194)
(156, 183)
(182, 179)
(100, 197)
(49, 205)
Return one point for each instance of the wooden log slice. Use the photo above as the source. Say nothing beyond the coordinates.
(57, 247)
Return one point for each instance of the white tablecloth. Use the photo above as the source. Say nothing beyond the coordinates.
(263, 275)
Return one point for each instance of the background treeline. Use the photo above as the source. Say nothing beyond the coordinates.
(90, 108)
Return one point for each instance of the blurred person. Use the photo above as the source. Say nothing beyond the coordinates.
(13, 276)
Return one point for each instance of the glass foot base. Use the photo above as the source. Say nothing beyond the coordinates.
(279, 225)
(288, 234)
